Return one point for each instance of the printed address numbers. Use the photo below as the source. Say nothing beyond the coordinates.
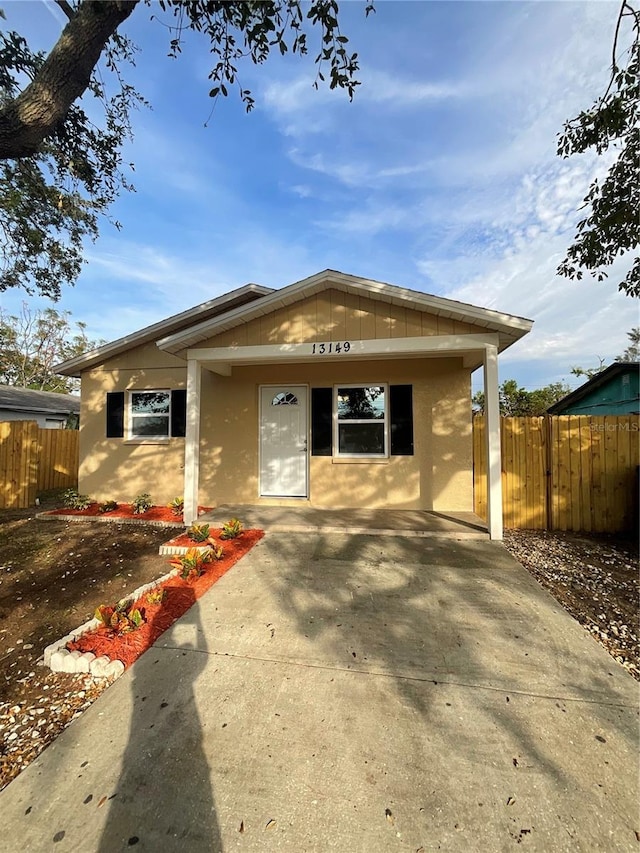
(330, 348)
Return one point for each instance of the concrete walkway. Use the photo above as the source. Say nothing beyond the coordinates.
(350, 693)
(381, 522)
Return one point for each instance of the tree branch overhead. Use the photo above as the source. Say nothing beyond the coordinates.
(65, 75)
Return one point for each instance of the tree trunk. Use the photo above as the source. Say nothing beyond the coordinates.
(34, 115)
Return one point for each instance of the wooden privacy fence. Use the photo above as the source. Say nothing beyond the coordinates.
(33, 460)
(567, 472)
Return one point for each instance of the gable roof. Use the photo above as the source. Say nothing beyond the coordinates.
(240, 306)
(45, 402)
(603, 378)
(508, 327)
(199, 313)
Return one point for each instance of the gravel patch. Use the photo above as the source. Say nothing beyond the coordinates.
(595, 578)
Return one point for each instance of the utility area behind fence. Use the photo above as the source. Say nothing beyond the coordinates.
(567, 472)
(33, 460)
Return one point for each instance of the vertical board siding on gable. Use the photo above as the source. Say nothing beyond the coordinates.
(429, 324)
(336, 315)
(367, 319)
(323, 316)
(352, 317)
(383, 320)
(398, 321)
(445, 326)
(307, 310)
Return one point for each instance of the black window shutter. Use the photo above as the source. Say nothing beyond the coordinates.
(115, 414)
(401, 411)
(179, 413)
(321, 421)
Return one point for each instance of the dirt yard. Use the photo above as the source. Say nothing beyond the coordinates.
(53, 575)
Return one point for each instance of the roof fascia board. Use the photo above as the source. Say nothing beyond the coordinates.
(41, 409)
(73, 366)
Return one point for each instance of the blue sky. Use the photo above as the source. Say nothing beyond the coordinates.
(441, 175)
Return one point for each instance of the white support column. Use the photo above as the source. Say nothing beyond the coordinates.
(192, 442)
(492, 432)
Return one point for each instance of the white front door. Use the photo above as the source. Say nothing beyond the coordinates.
(283, 441)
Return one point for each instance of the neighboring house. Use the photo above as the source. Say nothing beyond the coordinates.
(613, 391)
(50, 410)
(336, 391)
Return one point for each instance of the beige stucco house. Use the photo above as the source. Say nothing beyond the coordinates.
(335, 391)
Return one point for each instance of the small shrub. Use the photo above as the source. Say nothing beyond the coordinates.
(198, 532)
(156, 596)
(108, 506)
(217, 551)
(176, 506)
(122, 619)
(141, 503)
(231, 529)
(192, 563)
(72, 500)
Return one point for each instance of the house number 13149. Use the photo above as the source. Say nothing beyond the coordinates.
(330, 348)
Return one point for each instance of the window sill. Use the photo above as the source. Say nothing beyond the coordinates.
(359, 460)
(147, 441)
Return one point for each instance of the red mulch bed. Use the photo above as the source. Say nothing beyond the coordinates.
(155, 513)
(183, 541)
(179, 596)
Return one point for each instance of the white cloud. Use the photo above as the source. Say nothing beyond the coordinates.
(369, 220)
(298, 96)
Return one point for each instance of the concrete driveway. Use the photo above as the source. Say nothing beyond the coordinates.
(350, 693)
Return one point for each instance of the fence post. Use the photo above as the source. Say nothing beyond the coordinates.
(548, 457)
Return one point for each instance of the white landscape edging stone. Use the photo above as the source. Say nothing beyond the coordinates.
(58, 658)
(104, 519)
(168, 550)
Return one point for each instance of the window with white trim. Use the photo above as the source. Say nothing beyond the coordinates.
(361, 420)
(149, 414)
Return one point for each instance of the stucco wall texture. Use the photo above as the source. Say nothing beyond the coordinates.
(438, 476)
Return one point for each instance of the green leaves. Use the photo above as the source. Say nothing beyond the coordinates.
(238, 30)
(121, 619)
(198, 532)
(141, 503)
(32, 342)
(61, 175)
(231, 529)
(52, 201)
(518, 402)
(612, 226)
